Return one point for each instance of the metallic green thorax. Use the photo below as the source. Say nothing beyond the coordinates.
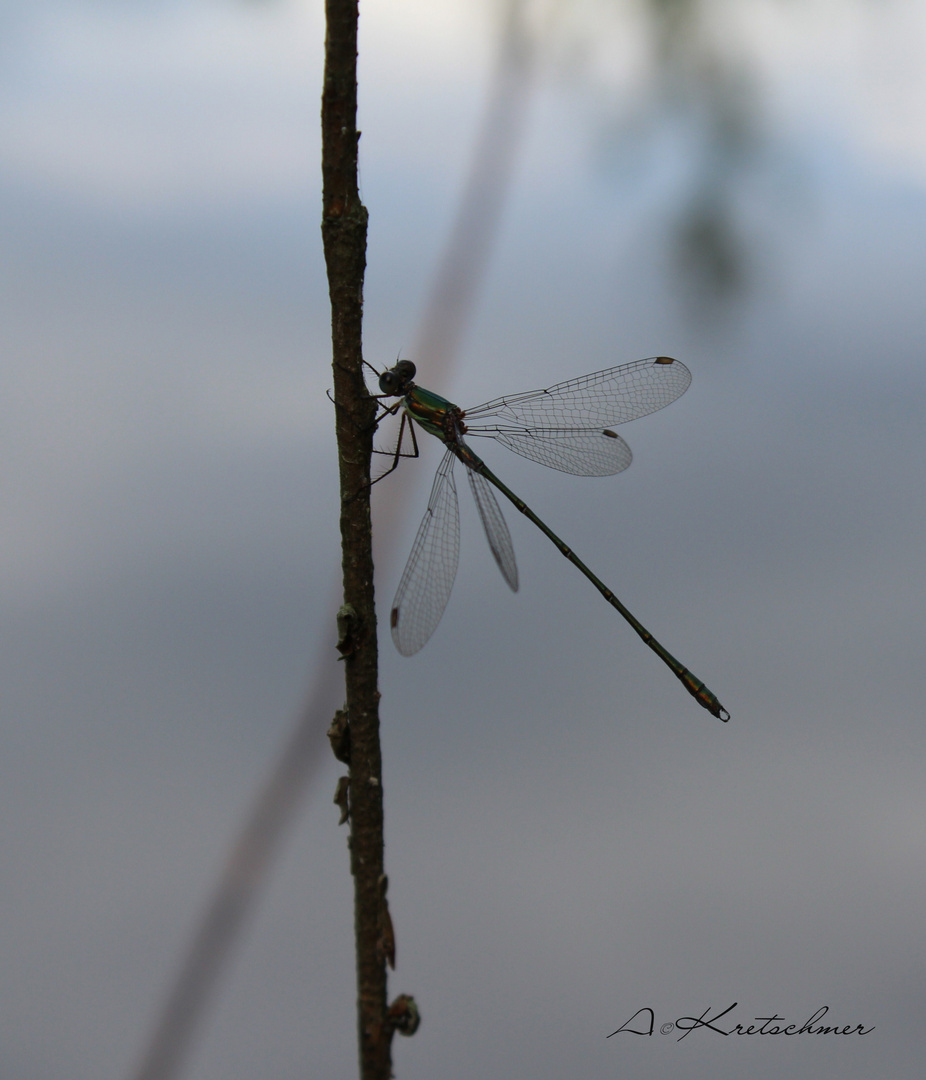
(442, 418)
(430, 410)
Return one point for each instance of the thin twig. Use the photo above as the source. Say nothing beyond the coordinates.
(344, 232)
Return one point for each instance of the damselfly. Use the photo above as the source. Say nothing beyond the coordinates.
(564, 427)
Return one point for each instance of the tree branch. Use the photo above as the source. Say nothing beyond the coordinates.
(344, 229)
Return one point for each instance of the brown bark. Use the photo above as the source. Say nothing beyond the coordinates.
(344, 225)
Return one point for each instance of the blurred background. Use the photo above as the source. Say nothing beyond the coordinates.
(741, 185)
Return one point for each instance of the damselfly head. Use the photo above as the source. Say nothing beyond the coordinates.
(396, 381)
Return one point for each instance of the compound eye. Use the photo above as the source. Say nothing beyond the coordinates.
(397, 380)
(389, 383)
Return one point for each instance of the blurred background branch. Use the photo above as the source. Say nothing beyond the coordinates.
(455, 290)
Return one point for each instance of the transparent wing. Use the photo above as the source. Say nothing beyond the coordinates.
(613, 396)
(428, 577)
(571, 450)
(494, 524)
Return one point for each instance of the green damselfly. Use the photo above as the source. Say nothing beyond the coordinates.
(564, 427)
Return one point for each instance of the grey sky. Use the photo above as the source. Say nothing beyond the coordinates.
(569, 837)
